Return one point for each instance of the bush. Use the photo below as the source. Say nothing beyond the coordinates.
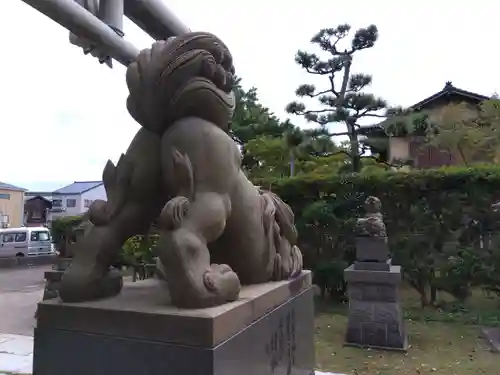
(139, 250)
(62, 229)
(138, 254)
(429, 216)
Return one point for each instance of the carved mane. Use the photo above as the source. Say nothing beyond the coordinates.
(185, 76)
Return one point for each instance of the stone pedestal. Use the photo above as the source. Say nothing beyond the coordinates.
(375, 317)
(269, 330)
(492, 335)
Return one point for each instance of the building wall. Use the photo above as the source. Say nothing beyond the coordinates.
(398, 149)
(12, 205)
(429, 156)
(82, 200)
(64, 210)
(89, 196)
(424, 155)
(68, 210)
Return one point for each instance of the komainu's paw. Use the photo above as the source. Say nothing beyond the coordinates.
(291, 268)
(277, 271)
(222, 281)
(297, 261)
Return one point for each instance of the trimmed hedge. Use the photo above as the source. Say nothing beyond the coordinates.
(436, 221)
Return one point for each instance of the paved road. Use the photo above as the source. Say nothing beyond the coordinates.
(20, 291)
(22, 279)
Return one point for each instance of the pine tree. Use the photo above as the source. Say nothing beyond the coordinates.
(343, 100)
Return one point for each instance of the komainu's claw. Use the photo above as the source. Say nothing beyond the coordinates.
(221, 279)
(298, 262)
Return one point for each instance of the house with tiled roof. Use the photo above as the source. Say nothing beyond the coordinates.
(413, 148)
(11, 205)
(71, 200)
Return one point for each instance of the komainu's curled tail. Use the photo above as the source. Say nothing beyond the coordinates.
(278, 220)
(189, 75)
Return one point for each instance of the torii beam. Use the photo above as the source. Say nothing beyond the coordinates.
(150, 15)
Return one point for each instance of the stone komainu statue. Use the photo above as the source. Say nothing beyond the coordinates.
(217, 230)
(372, 225)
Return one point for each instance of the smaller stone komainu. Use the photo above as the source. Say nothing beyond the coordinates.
(372, 225)
(183, 171)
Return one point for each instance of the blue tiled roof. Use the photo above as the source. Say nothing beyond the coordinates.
(78, 187)
(5, 186)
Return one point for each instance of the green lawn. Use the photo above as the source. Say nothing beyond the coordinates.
(442, 341)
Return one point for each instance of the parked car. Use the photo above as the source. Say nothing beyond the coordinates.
(25, 241)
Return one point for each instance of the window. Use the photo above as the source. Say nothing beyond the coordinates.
(40, 236)
(36, 214)
(14, 237)
(57, 203)
(88, 202)
(71, 202)
(8, 237)
(4, 196)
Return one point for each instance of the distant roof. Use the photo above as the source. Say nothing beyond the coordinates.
(36, 193)
(78, 187)
(42, 198)
(5, 186)
(448, 89)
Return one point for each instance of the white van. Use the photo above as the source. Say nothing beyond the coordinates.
(25, 241)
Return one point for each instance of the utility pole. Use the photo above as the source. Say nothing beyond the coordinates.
(97, 25)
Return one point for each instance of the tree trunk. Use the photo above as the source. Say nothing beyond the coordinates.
(433, 300)
(292, 163)
(424, 301)
(462, 155)
(422, 290)
(420, 286)
(351, 129)
(354, 152)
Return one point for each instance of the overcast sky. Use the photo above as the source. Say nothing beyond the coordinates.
(63, 115)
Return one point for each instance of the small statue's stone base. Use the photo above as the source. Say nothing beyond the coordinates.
(372, 249)
(375, 317)
(53, 278)
(269, 330)
(62, 264)
(52, 282)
